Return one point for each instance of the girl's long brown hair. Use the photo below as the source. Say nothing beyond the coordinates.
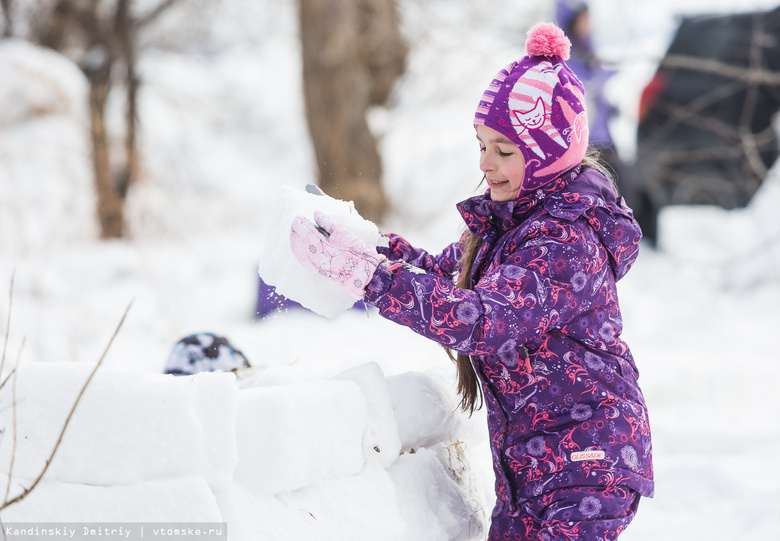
(468, 383)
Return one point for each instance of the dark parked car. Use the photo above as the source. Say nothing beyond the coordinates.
(706, 133)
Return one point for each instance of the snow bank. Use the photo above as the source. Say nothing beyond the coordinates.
(279, 267)
(736, 248)
(36, 81)
(46, 194)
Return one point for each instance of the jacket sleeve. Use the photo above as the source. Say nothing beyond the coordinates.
(543, 281)
(444, 264)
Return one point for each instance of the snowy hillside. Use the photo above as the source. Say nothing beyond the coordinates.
(344, 428)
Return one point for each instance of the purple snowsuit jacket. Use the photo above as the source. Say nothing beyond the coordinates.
(542, 326)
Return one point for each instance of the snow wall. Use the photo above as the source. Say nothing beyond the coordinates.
(290, 461)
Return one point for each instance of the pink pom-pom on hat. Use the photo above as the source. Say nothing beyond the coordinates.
(546, 39)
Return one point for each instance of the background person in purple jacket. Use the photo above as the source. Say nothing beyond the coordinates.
(527, 299)
(573, 16)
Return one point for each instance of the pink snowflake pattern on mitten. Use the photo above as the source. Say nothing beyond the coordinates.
(333, 251)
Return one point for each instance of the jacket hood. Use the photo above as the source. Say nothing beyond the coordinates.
(592, 195)
(587, 193)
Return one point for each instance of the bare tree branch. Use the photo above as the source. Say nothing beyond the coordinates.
(726, 131)
(8, 323)
(708, 65)
(679, 115)
(27, 491)
(126, 32)
(15, 431)
(8, 377)
(751, 100)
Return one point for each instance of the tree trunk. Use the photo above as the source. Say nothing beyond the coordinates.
(338, 89)
(110, 206)
(101, 40)
(381, 47)
(126, 32)
(8, 26)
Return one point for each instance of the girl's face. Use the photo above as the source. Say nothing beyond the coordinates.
(502, 162)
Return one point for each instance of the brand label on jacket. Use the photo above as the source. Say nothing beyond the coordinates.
(594, 454)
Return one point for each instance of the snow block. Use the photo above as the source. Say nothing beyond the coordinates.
(381, 439)
(333, 506)
(216, 398)
(424, 412)
(291, 436)
(279, 267)
(181, 499)
(252, 516)
(357, 507)
(139, 426)
(430, 500)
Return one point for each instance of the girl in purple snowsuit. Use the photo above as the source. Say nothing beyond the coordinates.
(527, 299)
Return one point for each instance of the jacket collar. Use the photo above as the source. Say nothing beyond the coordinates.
(483, 215)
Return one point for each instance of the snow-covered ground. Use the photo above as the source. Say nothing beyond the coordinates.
(307, 444)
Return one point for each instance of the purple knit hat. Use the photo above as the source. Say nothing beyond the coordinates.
(539, 104)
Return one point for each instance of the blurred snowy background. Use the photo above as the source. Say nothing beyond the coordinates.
(286, 450)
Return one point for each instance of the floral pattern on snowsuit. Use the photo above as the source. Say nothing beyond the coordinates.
(542, 326)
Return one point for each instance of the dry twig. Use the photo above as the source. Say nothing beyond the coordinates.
(13, 448)
(27, 491)
(7, 325)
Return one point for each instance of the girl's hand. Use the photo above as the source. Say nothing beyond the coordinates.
(333, 251)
